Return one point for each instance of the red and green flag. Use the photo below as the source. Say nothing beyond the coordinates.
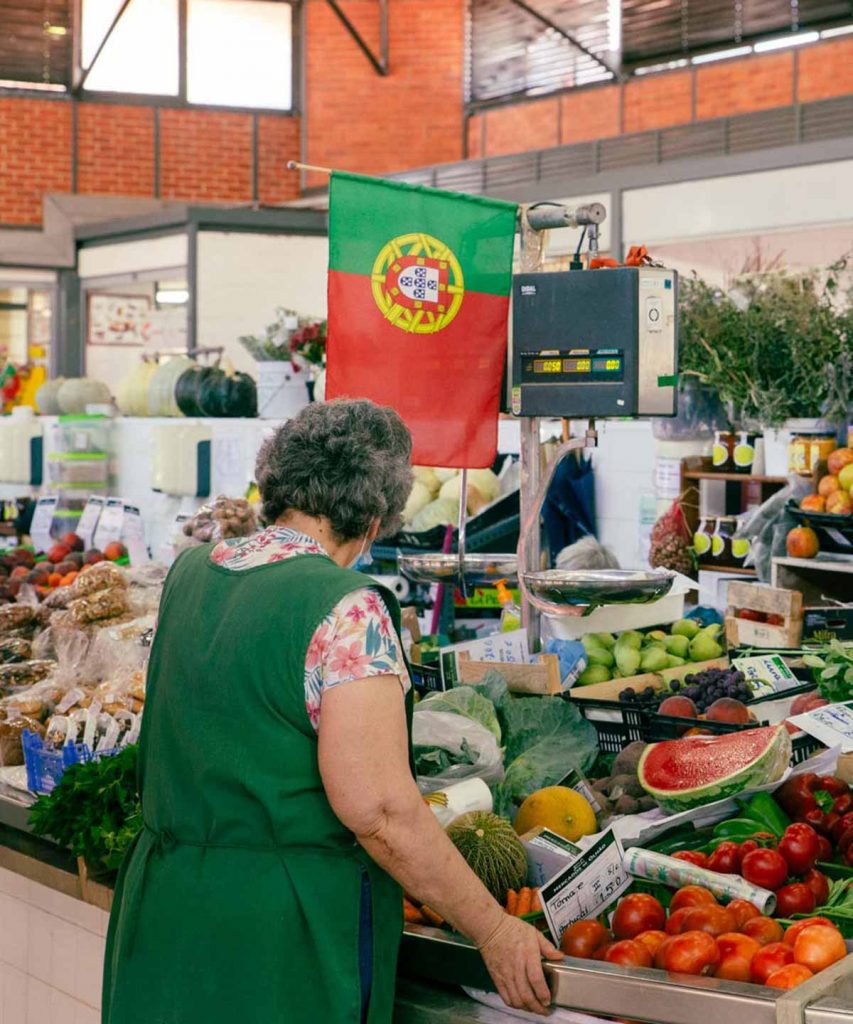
(419, 284)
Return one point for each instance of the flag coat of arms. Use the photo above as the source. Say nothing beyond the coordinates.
(419, 284)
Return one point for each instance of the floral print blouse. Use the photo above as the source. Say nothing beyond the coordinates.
(355, 640)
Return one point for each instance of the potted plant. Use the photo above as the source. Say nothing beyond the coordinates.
(773, 347)
(288, 355)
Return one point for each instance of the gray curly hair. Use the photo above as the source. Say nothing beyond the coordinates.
(349, 461)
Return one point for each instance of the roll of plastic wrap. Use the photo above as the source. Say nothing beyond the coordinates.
(448, 804)
(657, 867)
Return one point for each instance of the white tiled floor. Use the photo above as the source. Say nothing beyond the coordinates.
(51, 955)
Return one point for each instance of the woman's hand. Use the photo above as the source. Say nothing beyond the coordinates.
(513, 955)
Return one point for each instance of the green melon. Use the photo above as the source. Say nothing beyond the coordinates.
(492, 850)
(697, 770)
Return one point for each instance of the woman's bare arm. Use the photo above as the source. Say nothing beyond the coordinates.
(364, 764)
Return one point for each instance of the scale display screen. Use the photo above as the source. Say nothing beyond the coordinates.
(594, 366)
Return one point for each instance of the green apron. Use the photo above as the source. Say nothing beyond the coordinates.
(241, 897)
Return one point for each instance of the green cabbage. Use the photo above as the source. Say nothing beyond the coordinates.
(464, 700)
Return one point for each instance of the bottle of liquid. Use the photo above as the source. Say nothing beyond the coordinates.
(511, 613)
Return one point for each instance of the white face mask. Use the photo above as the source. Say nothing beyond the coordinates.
(354, 564)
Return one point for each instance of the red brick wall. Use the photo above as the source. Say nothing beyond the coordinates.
(590, 114)
(278, 142)
(825, 70)
(658, 101)
(358, 120)
(205, 155)
(738, 86)
(362, 121)
(35, 156)
(115, 150)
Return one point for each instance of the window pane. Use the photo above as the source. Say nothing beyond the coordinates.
(239, 53)
(141, 56)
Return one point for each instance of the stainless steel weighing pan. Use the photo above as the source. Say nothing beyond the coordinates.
(478, 570)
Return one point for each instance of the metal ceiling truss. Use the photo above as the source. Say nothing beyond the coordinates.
(543, 19)
(379, 62)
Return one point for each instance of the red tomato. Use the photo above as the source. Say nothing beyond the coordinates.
(819, 885)
(689, 953)
(825, 853)
(637, 913)
(601, 953)
(692, 857)
(800, 848)
(773, 619)
(795, 929)
(764, 930)
(652, 940)
(794, 899)
(583, 938)
(789, 977)
(751, 614)
(713, 920)
(747, 846)
(675, 922)
(817, 947)
(735, 944)
(770, 958)
(691, 896)
(629, 953)
(743, 911)
(733, 968)
(765, 868)
(725, 858)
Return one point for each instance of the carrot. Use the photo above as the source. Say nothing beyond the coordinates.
(523, 907)
(431, 916)
(411, 913)
(511, 902)
(536, 901)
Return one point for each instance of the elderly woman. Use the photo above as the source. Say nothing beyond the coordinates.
(281, 817)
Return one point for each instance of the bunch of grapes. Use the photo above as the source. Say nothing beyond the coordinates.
(703, 688)
(647, 697)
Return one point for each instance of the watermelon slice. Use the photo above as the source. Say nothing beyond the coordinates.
(697, 770)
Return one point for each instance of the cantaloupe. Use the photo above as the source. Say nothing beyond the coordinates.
(559, 809)
(492, 850)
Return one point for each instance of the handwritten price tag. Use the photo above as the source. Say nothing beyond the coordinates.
(586, 886)
(89, 520)
(42, 522)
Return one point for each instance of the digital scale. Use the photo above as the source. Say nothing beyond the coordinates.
(594, 343)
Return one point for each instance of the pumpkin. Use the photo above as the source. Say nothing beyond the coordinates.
(222, 393)
(46, 397)
(161, 387)
(187, 390)
(76, 393)
(132, 394)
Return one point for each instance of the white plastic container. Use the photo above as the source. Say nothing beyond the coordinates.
(281, 390)
(20, 447)
(614, 618)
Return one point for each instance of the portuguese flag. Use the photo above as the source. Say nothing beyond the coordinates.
(419, 284)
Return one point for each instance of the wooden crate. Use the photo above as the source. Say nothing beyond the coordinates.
(611, 689)
(771, 601)
(542, 677)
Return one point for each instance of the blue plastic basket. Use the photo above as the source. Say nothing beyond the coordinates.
(46, 766)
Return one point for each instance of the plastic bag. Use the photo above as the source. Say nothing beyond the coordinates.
(221, 519)
(671, 542)
(102, 576)
(471, 750)
(11, 735)
(464, 700)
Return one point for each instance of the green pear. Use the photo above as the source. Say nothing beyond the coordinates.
(630, 638)
(593, 674)
(598, 656)
(677, 645)
(628, 659)
(673, 661)
(704, 647)
(605, 640)
(713, 631)
(656, 634)
(654, 659)
(686, 627)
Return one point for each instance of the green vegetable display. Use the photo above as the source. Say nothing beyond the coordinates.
(465, 700)
(94, 810)
(833, 671)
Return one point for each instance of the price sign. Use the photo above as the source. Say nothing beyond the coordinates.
(134, 535)
(586, 886)
(42, 521)
(110, 523)
(89, 520)
(832, 725)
